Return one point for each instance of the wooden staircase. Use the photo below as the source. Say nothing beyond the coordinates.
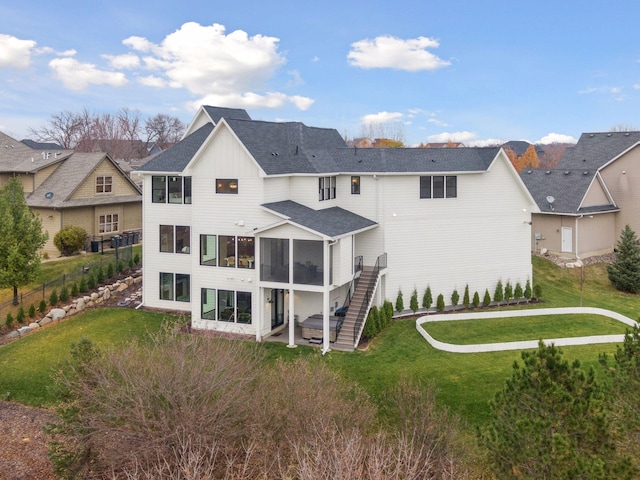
(360, 304)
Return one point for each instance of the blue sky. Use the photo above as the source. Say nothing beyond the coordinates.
(470, 71)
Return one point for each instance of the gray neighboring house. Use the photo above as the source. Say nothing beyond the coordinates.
(590, 196)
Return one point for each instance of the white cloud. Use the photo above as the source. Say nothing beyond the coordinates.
(128, 60)
(444, 137)
(391, 52)
(487, 142)
(230, 69)
(296, 79)
(636, 86)
(152, 81)
(437, 122)
(15, 53)
(556, 138)
(382, 117)
(78, 76)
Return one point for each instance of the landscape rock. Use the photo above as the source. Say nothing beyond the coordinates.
(106, 294)
(94, 296)
(23, 330)
(57, 313)
(80, 304)
(13, 334)
(122, 287)
(44, 321)
(34, 325)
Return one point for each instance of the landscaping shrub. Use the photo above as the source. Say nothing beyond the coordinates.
(498, 295)
(74, 289)
(64, 294)
(100, 274)
(455, 298)
(508, 291)
(476, 299)
(527, 290)
(624, 272)
(20, 315)
(427, 298)
(372, 326)
(413, 302)
(110, 271)
(130, 263)
(70, 239)
(517, 292)
(136, 259)
(32, 311)
(9, 320)
(537, 291)
(42, 307)
(82, 288)
(119, 267)
(399, 302)
(465, 298)
(91, 281)
(486, 301)
(440, 303)
(53, 298)
(388, 308)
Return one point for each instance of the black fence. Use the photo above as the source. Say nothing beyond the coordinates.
(123, 254)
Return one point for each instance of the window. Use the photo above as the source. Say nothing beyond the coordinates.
(104, 184)
(438, 186)
(181, 287)
(187, 189)
(355, 185)
(159, 189)
(175, 189)
(108, 223)
(175, 239)
(208, 250)
(246, 252)
(227, 185)
(166, 238)
(243, 314)
(326, 188)
(226, 305)
(226, 251)
(274, 260)
(232, 306)
(208, 303)
(166, 286)
(425, 187)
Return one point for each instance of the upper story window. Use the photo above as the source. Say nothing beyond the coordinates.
(104, 184)
(175, 239)
(438, 186)
(326, 188)
(355, 185)
(227, 185)
(175, 188)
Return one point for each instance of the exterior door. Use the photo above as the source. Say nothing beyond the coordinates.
(567, 239)
(277, 307)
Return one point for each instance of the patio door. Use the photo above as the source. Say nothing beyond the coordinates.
(277, 307)
(567, 239)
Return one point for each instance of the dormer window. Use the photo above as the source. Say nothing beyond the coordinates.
(104, 184)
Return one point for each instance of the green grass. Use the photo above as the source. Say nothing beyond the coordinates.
(469, 332)
(26, 364)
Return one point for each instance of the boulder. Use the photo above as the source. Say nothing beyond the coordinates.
(94, 296)
(122, 287)
(56, 313)
(44, 321)
(106, 294)
(34, 325)
(23, 330)
(80, 304)
(67, 308)
(13, 334)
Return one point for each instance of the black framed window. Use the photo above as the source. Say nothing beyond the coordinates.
(166, 238)
(438, 186)
(355, 185)
(227, 185)
(187, 189)
(452, 186)
(425, 186)
(166, 286)
(208, 303)
(208, 250)
(159, 189)
(326, 188)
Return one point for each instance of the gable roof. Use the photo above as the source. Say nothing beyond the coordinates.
(331, 222)
(41, 145)
(56, 190)
(519, 147)
(17, 157)
(216, 113)
(594, 150)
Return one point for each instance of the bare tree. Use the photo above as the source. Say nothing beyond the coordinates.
(63, 128)
(164, 130)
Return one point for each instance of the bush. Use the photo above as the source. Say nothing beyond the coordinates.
(119, 266)
(465, 298)
(427, 298)
(388, 308)
(70, 239)
(440, 303)
(9, 320)
(91, 281)
(42, 307)
(537, 291)
(508, 292)
(83, 285)
(32, 311)
(74, 289)
(476, 299)
(399, 302)
(53, 298)
(455, 298)
(64, 294)
(136, 259)
(413, 303)
(100, 275)
(527, 290)
(110, 271)
(130, 263)
(372, 325)
(517, 292)
(498, 295)
(20, 315)
(486, 301)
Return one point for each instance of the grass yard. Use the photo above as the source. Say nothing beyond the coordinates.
(26, 364)
(491, 330)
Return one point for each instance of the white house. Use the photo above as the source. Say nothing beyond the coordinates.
(250, 225)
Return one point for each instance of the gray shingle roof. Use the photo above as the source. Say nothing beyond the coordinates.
(216, 113)
(176, 158)
(593, 150)
(17, 157)
(332, 222)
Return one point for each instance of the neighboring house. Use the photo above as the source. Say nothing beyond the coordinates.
(586, 201)
(252, 225)
(67, 188)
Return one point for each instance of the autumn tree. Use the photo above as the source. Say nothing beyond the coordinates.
(529, 159)
(21, 238)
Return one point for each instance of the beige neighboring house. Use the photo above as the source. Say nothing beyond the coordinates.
(586, 201)
(67, 188)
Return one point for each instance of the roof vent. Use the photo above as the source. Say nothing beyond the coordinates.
(433, 160)
(591, 135)
(548, 172)
(566, 172)
(529, 171)
(585, 173)
(48, 195)
(626, 134)
(608, 134)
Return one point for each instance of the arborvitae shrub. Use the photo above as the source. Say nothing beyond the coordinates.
(136, 259)
(388, 307)
(32, 311)
(100, 274)
(508, 291)
(110, 271)
(371, 325)
(465, 298)
(399, 302)
(20, 315)
(440, 303)
(527, 291)
(53, 298)
(413, 303)
(130, 263)
(476, 300)
(498, 295)
(64, 294)
(42, 307)
(119, 266)
(74, 289)
(486, 301)
(455, 298)
(427, 298)
(91, 281)
(83, 285)
(9, 320)
(537, 291)
(517, 292)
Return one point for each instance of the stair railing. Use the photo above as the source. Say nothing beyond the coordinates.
(381, 262)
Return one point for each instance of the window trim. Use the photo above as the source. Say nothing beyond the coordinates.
(326, 188)
(104, 187)
(446, 186)
(113, 223)
(227, 186)
(355, 184)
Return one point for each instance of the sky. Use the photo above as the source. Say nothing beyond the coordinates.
(478, 72)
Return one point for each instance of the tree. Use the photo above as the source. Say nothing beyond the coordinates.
(550, 421)
(508, 292)
(427, 298)
(527, 291)
(455, 297)
(517, 293)
(476, 299)
(413, 301)
(465, 298)
(399, 302)
(440, 303)
(498, 295)
(486, 300)
(21, 238)
(164, 130)
(624, 272)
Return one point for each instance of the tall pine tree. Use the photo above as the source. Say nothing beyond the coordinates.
(624, 272)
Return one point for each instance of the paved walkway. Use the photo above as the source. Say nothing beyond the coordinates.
(521, 345)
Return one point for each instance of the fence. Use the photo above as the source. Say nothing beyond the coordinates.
(122, 254)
